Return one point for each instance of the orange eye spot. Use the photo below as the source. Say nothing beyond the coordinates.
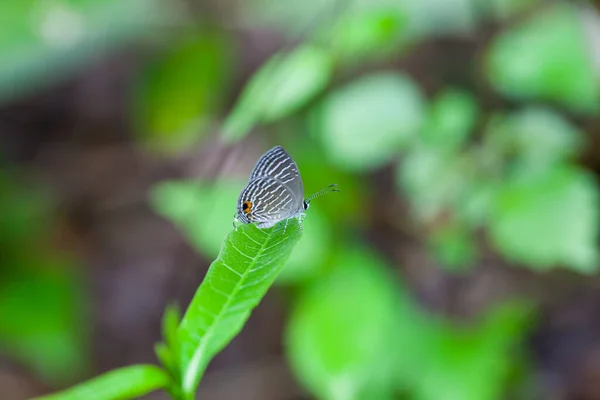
(247, 207)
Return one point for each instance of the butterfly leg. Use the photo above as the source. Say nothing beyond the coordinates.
(234, 219)
(286, 225)
(300, 219)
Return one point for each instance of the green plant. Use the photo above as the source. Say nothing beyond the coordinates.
(42, 307)
(43, 41)
(246, 267)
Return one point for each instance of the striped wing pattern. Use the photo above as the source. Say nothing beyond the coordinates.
(276, 164)
(275, 189)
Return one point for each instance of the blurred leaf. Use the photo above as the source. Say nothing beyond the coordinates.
(505, 8)
(365, 124)
(42, 322)
(342, 336)
(366, 33)
(283, 85)
(291, 18)
(451, 119)
(472, 364)
(317, 172)
(119, 384)
(538, 136)
(168, 351)
(306, 260)
(236, 281)
(203, 211)
(168, 359)
(546, 58)
(171, 320)
(178, 93)
(474, 206)
(27, 205)
(436, 173)
(41, 41)
(303, 19)
(357, 335)
(548, 219)
(437, 17)
(433, 180)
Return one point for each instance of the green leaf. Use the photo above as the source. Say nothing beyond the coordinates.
(202, 210)
(279, 88)
(343, 334)
(41, 41)
(473, 208)
(433, 180)
(120, 384)
(546, 58)
(367, 33)
(171, 320)
(26, 204)
(471, 363)
(364, 124)
(503, 9)
(537, 136)
(177, 94)
(356, 334)
(451, 119)
(168, 359)
(41, 319)
(167, 352)
(292, 19)
(43, 323)
(236, 281)
(548, 219)
(438, 17)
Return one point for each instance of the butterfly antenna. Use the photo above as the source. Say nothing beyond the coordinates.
(328, 189)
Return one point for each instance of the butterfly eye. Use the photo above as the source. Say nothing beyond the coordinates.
(247, 207)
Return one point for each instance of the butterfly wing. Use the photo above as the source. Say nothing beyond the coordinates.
(277, 164)
(268, 202)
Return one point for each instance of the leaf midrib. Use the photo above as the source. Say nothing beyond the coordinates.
(193, 375)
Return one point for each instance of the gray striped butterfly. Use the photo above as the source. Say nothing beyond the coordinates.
(274, 191)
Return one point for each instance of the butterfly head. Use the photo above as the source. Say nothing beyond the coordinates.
(244, 211)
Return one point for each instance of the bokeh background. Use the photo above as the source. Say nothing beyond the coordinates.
(459, 261)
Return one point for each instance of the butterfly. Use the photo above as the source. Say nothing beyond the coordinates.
(274, 192)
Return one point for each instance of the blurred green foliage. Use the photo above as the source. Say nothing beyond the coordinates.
(41, 41)
(42, 306)
(283, 85)
(546, 58)
(335, 357)
(203, 210)
(365, 124)
(180, 93)
(355, 334)
(533, 220)
(451, 120)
